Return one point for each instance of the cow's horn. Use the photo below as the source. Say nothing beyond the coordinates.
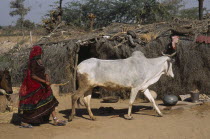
(168, 54)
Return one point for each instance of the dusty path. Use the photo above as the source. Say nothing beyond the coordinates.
(193, 123)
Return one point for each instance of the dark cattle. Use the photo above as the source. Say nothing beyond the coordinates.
(5, 81)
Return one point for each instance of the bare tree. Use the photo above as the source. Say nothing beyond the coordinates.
(200, 3)
(60, 10)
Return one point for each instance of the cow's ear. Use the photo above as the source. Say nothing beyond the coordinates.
(172, 60)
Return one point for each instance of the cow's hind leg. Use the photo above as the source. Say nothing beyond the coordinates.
(151, 99)
(87, 99)
(79, 93)
(134, 92)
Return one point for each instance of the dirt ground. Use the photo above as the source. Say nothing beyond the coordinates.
(190, 123)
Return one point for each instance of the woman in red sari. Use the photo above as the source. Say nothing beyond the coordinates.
(36, 98)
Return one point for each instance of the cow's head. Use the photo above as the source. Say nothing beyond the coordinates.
(172, 46)
(5, 81)
(168, 68)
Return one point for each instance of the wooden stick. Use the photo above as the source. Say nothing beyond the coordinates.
(48, 36)
(114, 116)
(31, 37)
(75, 67)
(61, 84)
(117, 34)
(124, 41)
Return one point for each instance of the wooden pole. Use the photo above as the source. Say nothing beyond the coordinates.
(3, 103)
(31, 38)
(91, 25)
(75, 67)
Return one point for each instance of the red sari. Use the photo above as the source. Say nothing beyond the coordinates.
(36, 99)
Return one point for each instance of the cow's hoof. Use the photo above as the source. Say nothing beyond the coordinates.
(70, 119)
(129, 117)
(93, 118)
(160, 115)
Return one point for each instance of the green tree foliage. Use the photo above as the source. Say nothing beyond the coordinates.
(19, 10)
(125, 11)
(191, 13)
(74, 14)
(108, 11)
(26, 24)
(173, 6)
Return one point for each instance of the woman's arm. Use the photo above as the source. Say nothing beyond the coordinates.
(34, 68)
(47, 77)
(40, 80)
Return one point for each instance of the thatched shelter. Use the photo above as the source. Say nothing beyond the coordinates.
(116, 41)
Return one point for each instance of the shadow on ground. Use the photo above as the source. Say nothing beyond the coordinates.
(16, 119)
(108, 111)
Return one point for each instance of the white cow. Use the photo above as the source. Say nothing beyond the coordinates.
(136, 73)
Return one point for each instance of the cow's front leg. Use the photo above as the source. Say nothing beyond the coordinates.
(134, 92)
(151, 99)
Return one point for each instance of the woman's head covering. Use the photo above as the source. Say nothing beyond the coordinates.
(36, 51)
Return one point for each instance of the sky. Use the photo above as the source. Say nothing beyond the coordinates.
(40, 7)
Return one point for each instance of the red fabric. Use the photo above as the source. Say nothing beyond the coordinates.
(203, 39)
(30, 85)
(36, 50)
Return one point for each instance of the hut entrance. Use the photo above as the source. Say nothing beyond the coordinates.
(86, 52)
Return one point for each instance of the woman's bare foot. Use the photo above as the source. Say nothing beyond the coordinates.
(58, 122)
